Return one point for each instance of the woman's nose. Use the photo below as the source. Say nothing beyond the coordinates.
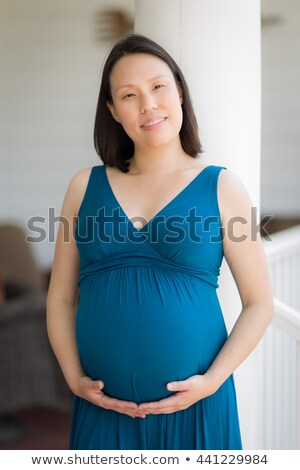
(148, 103)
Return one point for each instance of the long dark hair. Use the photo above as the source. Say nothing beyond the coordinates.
(111, 142)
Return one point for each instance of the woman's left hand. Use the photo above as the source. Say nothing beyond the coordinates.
(188, 392)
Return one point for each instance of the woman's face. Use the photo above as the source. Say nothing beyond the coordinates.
(146, 100)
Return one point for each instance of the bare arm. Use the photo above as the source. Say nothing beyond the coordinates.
(62, 305)
(247, 262)
(63, 291)
(244, 252)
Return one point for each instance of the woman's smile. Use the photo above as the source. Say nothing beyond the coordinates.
(154, 124)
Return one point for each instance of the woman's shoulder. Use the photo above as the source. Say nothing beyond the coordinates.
(77, 187)
(230, 183)
(233, 195)
(81, 177)
(79, 180)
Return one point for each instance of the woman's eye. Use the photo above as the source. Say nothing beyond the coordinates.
(128, 95)
(158, 86)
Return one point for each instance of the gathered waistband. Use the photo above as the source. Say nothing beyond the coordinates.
(204, 273)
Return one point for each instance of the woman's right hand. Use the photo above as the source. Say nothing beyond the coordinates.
(91, 390)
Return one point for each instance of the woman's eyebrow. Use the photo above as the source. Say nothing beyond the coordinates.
(150, 80)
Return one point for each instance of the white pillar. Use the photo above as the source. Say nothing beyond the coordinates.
(217, 45)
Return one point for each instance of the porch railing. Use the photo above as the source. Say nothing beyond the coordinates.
(279, 350)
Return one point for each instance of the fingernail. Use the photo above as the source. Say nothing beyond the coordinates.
(170, 386)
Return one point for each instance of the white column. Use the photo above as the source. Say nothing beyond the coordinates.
(217, 45)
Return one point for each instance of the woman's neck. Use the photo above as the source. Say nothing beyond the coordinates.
(164, 160)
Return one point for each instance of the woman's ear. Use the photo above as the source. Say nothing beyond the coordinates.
(112, 110)
(180, 93)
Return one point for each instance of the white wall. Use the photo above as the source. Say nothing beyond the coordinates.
(280, 193)
(50, 67)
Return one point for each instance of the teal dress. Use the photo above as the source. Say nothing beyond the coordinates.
(148, 313)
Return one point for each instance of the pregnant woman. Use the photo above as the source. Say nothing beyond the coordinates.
(144, 347)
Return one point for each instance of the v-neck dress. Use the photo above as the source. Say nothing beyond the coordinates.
(148, 313)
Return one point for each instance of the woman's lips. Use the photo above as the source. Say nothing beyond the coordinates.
(154, 124)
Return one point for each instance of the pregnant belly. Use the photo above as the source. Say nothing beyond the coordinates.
(137, 337)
